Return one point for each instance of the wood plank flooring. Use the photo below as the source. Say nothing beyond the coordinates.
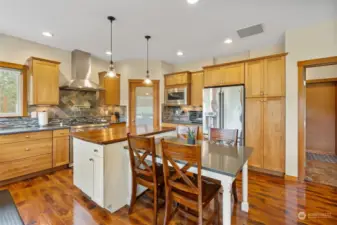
(53, 200)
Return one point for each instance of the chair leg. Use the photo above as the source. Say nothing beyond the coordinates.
(217, 208)
(235, 194)
(133, 195)
(155, 206)
(168, 207)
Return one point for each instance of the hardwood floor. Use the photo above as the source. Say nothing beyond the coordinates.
(53, 200)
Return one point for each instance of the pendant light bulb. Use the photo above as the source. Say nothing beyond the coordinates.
(147, 79)
(111, 72)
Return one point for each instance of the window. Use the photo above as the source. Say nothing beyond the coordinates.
(10, 92)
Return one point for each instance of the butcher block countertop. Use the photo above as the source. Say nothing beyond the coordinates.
(118, 134)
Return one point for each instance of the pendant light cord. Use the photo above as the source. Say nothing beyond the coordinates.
(147, 55)
(111, 42)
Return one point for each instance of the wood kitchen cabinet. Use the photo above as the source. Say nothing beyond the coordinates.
(111, 94)
(265, 122)
(180, 78)
(265, 77)
(197, 86)
(60, 147)
(43, 81)
(225, 74)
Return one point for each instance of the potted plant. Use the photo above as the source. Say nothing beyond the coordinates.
(191, 136)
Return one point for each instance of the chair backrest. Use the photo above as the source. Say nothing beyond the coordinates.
(139, 148)
(191, 154)
(182, 131)
(229, 136)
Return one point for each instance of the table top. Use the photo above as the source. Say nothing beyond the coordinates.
(118, 134)
(219, 158)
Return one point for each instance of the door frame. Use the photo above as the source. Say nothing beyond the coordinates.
(302, 66)
(133, 83)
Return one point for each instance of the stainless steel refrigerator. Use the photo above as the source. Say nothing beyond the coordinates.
(223, 107)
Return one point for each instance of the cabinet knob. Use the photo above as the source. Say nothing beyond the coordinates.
(261, 93)
(27, 149)
(91, 160)
(95, 150)
(27, 136)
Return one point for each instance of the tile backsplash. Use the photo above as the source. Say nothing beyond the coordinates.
(183, 114)
(79, 104)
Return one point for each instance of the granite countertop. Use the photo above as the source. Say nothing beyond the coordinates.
(118, 134)
(16, 130)
(183, 122)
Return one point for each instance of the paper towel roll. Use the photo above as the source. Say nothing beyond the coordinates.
(43, 118)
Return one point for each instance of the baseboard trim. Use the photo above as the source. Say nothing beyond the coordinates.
(269, 172)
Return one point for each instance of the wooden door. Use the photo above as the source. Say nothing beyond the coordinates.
(112, 90)
(254, 130)
(254, 79)
(45, 83)
(321, 117)
(133, 84)
(60, 151)
(197, 87)
(274, 136)
(274, 77)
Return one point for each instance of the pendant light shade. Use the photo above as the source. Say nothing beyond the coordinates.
(111, 71)
(147, 79)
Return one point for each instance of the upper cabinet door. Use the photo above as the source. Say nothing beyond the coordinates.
(274, 77)
(224, 75)
(197, 86)
(45, 83)
(254, 130)
(179, 78)
(254, 79)
(112, 90)
(274, 141)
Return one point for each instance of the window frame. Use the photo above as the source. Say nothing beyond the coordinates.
(23, 104)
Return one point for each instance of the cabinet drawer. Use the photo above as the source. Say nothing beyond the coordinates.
(19, 150)
(61, 133)
(25, 166)
(13, 138)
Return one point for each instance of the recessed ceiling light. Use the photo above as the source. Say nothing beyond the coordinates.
(180, 53)
(228, 41)
(108, 53)
(192, 1)
(47, 34)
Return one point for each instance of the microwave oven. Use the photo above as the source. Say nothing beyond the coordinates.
(176, 96)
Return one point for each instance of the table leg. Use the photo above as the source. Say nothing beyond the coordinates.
(226, 202)
(245, 204)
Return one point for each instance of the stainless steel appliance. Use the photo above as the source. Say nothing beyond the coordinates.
(176, 96)
(223, 107)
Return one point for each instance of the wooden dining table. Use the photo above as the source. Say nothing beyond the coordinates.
(220, 162)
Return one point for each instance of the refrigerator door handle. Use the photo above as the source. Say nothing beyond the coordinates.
(223, 110)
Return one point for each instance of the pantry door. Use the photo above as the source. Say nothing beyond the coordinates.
(143, 103)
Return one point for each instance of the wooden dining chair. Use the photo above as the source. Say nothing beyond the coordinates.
(182, 131)
(190, 191)
(229, 137)
(145, 172)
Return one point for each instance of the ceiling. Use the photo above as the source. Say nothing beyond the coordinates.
(198, 30)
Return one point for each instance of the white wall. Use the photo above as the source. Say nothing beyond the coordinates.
(317, 41)
(321, 72)
(253, 53)
(16, 50)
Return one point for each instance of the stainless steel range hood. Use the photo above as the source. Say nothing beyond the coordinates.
(81, 73)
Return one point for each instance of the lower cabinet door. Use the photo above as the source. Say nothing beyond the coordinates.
(60, 151)
(83, 167)
(98, 189)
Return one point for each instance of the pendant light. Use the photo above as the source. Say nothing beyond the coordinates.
(147, 79)
(111, 72)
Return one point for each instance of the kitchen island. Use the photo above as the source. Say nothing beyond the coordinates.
(101, 165)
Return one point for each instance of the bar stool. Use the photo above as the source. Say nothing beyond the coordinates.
(145, 172)
(190, 191)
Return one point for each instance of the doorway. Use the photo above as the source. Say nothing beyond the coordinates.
(143, 103)
(317, 120)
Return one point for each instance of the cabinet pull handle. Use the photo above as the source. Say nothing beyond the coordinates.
(261, 93)
(95, 150)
